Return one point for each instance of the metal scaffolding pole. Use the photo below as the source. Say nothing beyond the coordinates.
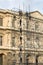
(20, 14)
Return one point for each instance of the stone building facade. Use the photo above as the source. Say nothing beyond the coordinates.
(21, 38)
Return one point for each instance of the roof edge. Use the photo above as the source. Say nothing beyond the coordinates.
(37, 11)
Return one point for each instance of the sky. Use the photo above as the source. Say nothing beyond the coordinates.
(24, 5)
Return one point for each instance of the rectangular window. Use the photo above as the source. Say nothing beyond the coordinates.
(1, 21)
(12, 23)
(28, 42)
(0, 40)
(36, 25)
(13, 41)
(36, 41)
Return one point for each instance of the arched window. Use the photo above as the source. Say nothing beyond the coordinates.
(1, 59)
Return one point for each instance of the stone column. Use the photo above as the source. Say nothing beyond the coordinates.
(4, 59)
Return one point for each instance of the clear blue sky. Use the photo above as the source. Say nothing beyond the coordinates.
(23, 4)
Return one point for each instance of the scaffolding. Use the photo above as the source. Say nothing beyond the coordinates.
(33, 49)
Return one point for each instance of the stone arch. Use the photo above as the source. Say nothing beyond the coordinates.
(40, 59)
(9, 57)
(31, 58)
(4, 58)
(4, 54)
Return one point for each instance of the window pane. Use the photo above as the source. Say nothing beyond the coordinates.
(13, 41)
(36, 25)
(28, 43)
(0, 40)
(1, 21)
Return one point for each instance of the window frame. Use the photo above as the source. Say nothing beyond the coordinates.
(36, 25)
(1, 20)
(13, 42)
(0, 40)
